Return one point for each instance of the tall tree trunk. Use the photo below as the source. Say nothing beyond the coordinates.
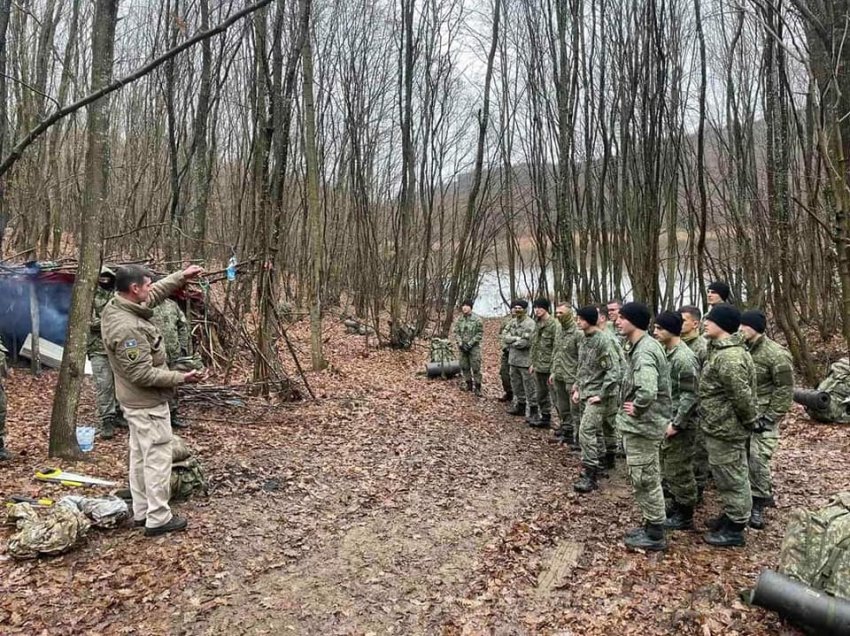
(63, 441)
(5, 11)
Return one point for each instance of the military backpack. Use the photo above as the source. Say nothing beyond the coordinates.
(816, 548)
(441, 351)
(837, 385)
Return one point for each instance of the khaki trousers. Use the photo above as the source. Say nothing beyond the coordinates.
(150, 463)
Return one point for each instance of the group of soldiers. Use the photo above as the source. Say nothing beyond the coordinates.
(168, 317)
(683, 407)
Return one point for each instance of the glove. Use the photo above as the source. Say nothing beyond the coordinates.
(465, 348)
(762, 424)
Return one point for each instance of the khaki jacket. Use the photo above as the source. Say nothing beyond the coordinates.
(136, 349)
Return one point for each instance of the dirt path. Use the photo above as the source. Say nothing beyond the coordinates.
(401, 506)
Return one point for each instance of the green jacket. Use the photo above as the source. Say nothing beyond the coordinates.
(684, 386)
(699, 345)
(565, 359)
(172, 324)
(774, 378)
(543, 344)
(95, 343)
(469, 330)
(598, 367)
(646, 383)
(727, 390)
(517, 337)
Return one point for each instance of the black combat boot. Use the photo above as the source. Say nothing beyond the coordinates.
(587, 482)
(466, 386)
(716, 523)
(175, 524)
(517, 409)
(176, 422)
(681, 518)
(107, 428)
(476, 389)
(728, 535)
(4, 454)
(757, 513)
(610, 462)
(650, 537)
(533, 418)
(544, 420)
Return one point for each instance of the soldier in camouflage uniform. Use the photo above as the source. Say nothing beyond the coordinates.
(677, 449)
(504, 366)
(596, 389)
(774, 394)
(643, 420)
(542, 351)
(718, 292)
(4, 454)
(468, 332)
(691, 319)
(727, 403)
(517, 338)
(172, 324)
(610, 438)
(104, 381)
(563, 377)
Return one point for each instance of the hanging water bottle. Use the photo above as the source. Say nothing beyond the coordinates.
(231, 268)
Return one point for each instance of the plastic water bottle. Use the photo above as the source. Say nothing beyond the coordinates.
(231, 268)
(85, 438)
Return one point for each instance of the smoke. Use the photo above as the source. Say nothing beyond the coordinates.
(54, 300)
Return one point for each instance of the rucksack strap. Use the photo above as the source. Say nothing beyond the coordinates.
(826, 572)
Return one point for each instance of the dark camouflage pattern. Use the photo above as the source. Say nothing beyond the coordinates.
(727, 390)
(543, 344)
(646, 383)
(517, 338)
(172, 324)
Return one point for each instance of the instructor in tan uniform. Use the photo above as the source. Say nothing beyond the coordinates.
(143, 386)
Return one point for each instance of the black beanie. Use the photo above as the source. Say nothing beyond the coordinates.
(468, 303)
(519, 302)
(637, 314)
(589, 314)
(670, 321)
(725, 316)
(721, 289)
(542, 303)
(754, 318)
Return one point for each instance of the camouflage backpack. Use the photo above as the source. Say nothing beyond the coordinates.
(837, 384)
(441, 351)
(816, 548)
(187, 478)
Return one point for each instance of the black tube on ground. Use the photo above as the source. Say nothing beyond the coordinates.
(803, 605)
(442, 369)
(812, 399)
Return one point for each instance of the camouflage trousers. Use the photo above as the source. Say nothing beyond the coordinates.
(104, 384)
(470, 364)
(505, 374)
(2, 413)
(762, 448)
(702, 473)
(524, 386)
(569, 413)
(544, 392)
(610, 437)
(643, 463)
(728, 462)
(677, 467)
(590, 434)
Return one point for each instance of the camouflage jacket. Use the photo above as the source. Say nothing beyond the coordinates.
(136, 350)
(646, 383)
(598, 367)
(172, 324)
(543, 344)
(565, 359)
(517, 337)
(727, 390)
(95, 344)
(684, 386)
(774, 378)
(699, 345)
(469, 330)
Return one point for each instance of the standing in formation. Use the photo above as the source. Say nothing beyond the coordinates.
(691, 321)
(469, 330)
(727, 414)
(504, 364)
(542, 352)
(172, 324)
(563, 377)
(774, 396)
(677, 449)
(642, 420)
(144, 386)
(517, 338)
(104, 382)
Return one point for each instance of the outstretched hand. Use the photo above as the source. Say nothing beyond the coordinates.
(192, 272)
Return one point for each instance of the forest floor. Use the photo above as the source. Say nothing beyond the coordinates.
(392, 505)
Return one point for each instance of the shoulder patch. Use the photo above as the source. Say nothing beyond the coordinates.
(130, 343)
(132, 354)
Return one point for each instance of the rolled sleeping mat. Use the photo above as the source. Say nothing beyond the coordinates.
(442, 369)
(803, 605)
(812, 399)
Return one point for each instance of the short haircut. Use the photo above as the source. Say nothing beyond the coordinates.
(618, 302)
(603, 311)
(692, 311)
(131, 275)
